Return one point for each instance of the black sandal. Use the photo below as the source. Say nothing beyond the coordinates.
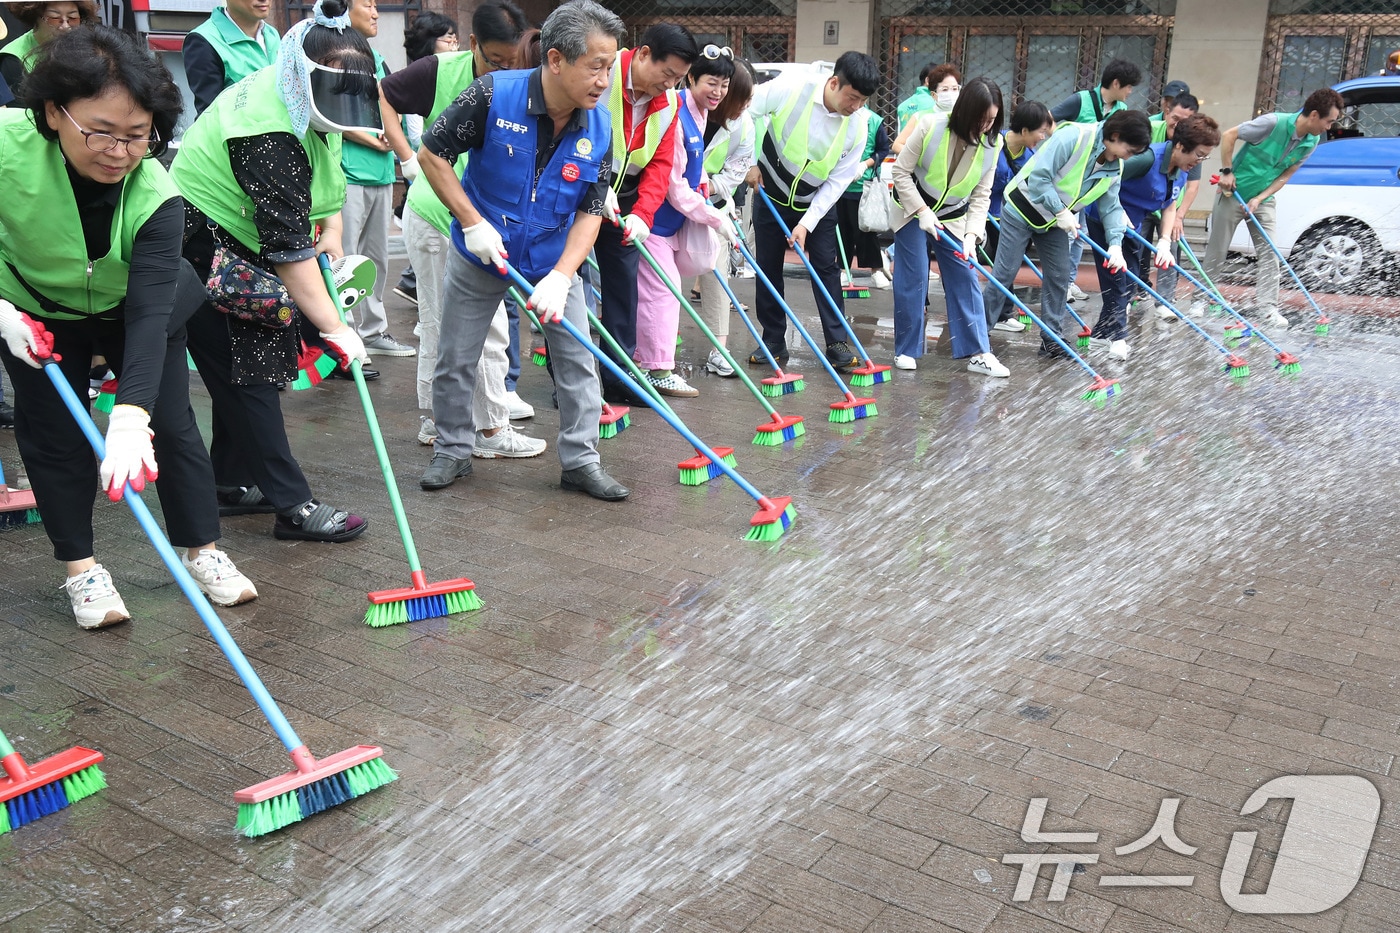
(243, 500)
(316, 521)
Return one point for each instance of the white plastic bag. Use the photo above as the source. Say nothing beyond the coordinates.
(876, 206)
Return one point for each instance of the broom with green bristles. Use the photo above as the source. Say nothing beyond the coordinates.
(780, 383)
(17, 507)
(850, 289)
(614, 419)
(106, 396)
(30, 792)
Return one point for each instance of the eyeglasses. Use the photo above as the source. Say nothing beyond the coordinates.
(106, 142)
(448, 39)
(713, 52)
(495, 65)
(65, 20)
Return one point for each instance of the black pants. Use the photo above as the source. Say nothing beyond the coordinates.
(617, 266)
(61, 464)
(862, 247)
(771, 252)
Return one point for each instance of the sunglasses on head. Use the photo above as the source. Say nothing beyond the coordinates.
(713, 52)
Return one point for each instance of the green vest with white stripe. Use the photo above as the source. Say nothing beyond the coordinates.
(455, 71)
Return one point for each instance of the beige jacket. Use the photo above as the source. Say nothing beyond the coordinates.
(908, 201)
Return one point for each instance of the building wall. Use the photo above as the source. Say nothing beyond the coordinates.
(853, 18)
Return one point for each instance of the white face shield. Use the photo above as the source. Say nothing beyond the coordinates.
(343, 100)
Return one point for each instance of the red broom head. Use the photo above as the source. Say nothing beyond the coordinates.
(613, 413)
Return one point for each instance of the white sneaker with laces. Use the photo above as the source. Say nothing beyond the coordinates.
(518, 408)
(507, 442)
(427, 431)
(1118, 350)
(671, 385)
(1099, 343)
(1010, 325)
(1076, 293)
(845, 279)
(905, 362)
(1197, 310)
(879, 280)
(718, 365)
(1275, 320)
(96, 602)
(988, 365)
(220, 580)
(744, 272)
(1164, 313)
(386, 345)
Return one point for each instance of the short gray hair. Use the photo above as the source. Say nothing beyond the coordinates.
(569, 27)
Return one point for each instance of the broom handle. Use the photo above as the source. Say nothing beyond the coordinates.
(668, 415)
(395, 502)
(1258, 225)
(593, 322)
(1025, 257)
(748, 322)
(821, 286)
(10, 761)
(705, 329)
(845, 261)
(192, 592)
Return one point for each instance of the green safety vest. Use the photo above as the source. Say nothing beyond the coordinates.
(1257, 165)
(920, 102)
(872, 130)
(241, 53)
(1092, 109)
(41, 232)
(627, 162)
(22, 47)
(1069, 181)
(455, 71)
(1159, 127)
(717, 152)
(795, 171)
(934, 168)
(204, 174)
(363, 165)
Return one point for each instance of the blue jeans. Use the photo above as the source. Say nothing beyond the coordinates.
(1052, 246)
(1117, 288)
(967, 323)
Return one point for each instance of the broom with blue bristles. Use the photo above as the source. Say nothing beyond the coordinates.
(32, 791)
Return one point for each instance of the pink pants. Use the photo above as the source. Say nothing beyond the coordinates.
(658, 311)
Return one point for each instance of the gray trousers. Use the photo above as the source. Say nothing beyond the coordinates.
(1053, 249)
(366, 220)
(470, 296)
(1226, 216)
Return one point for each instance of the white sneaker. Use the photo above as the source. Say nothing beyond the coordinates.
(1011, 325)
(1197, 310)
(518, 408)
(507, 442)
(1118, 350)
(671, 385)
(845, 279)
(879, 279)
(220, 580)
(1076, 293)
(1164, 313)
(386, 345)
(718, 365)
(744, 272)
(96, 602)
(427, 431)
(905, 362)
(1099, 343)
(988, 365)
(1275, 320)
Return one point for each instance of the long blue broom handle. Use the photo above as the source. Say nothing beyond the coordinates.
(1022, 305)
(821, 286)
(1221, 298)
(748, 322)
(177, 569)
(1157, 295)
(1258, 225)
(1025, 257)
(792, 316)
(668, 415)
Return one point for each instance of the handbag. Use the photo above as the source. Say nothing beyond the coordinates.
(876, 207)
(240, 289)
(697, 249)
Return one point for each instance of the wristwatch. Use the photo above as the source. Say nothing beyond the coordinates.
(1227, 171)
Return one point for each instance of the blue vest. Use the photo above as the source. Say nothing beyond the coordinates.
(1006, 170)
(532, 216)
(1151, 192)
(668, 220)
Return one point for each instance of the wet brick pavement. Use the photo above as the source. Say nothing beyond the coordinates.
(992, 593)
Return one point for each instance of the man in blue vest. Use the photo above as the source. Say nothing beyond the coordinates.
(533, 191)
(231, 44)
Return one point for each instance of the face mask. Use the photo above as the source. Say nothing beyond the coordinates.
(945, 100)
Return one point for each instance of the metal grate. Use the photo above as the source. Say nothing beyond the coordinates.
(1305, 52)
(759, 30)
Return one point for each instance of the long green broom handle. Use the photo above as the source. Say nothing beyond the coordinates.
(705, 328)
(845, 262)
(395, 502)
(632, 367)
(1191, 255)
(6, 749)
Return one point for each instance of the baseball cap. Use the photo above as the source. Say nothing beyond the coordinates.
(1175, 89)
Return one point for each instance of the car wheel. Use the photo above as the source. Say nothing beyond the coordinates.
(1337, 257)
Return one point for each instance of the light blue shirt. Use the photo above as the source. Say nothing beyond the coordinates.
(1051, 156)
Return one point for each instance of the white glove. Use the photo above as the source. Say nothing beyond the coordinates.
(1067, 222)
(130, 458)
(550, 296)
(484, 242)
(969, 248)
(724, 224)
(1115, 261)
(347, 346)
(26, 337)
(1164, 258)
(610, 210)
(929, 222)
(634, 230)
(409, 167)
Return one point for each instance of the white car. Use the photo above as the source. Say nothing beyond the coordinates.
(1339, 215)
(767, 71)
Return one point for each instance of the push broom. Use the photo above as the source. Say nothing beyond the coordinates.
(314, 785)
(1236, 367)
(614, 419)
(1286, 363)
(867, 374)
(780, 383)
(778, 428)
(1323, 323)
(1085, 331)
(1238, 331)
(1101, 389)
(850, 408)
(17, 506)
(30, 792)
(421, 600)
(774, 516)
(850, 289)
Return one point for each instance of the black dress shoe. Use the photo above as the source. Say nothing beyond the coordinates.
(443, 471)
(618, 394)
(369, 374)
(1050, 350)
(243, 500)
(594, 480)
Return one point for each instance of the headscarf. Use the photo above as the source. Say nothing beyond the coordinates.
(293, 76)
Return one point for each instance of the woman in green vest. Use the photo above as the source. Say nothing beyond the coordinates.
(90, 230)
(262, 164)
(943, 187)
(46, 21)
